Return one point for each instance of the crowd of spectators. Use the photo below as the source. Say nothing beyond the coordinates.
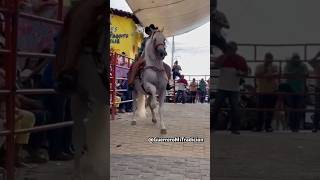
(35, 110)
(189, 93)
(284, 88)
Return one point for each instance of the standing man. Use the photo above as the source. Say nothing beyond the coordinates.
(220, 21)
(202, 90)
(193, 89)
(232, 67)
(296, 71)
(81, 67)
(267, 82)
(182, 85)
(315, 63)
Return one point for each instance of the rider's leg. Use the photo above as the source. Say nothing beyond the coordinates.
(134, 70)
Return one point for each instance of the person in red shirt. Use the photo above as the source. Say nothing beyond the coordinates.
(232, 66)
(182, 87)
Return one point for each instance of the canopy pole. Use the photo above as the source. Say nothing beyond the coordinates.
(172, 53)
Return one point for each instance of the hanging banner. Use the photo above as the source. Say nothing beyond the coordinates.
(124, 36)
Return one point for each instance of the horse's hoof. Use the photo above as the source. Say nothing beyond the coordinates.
(154, 121)
(163, 131)
(133, 123)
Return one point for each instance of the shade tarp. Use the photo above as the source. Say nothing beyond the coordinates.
(175, 16)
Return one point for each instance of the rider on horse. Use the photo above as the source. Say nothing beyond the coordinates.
(140, 63)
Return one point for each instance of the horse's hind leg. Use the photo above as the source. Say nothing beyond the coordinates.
(154, 120)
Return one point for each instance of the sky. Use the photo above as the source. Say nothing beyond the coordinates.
(273, 21)
(192, 49)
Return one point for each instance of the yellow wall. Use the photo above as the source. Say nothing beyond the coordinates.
(124, 36)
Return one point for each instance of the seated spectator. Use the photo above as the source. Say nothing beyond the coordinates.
(23, 120)
(122, 59)
(31, 73)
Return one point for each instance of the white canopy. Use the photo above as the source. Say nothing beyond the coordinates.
(175, 16)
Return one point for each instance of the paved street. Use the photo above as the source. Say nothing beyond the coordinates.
(134, 158)
(266, 156)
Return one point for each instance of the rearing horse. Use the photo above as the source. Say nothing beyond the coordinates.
(152, 80)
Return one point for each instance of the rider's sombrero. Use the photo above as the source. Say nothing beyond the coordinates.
(151, 26)
(147, 29)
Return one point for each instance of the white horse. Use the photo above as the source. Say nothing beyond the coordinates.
(152, 81)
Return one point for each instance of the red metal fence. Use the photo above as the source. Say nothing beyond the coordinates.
(11, 13)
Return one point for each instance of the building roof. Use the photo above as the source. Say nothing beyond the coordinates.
(124, 14)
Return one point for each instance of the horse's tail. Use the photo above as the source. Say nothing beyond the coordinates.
(141, 107)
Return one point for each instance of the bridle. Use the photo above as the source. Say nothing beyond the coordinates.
(157, 45)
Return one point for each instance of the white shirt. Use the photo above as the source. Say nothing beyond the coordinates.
(181, 86)
(229, 79)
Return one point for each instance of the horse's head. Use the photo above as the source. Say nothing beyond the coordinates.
(159, 43)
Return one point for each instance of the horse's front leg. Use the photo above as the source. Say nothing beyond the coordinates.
(154, 119)
(162, 96)
(134, 108)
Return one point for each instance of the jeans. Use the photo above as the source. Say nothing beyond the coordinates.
(233, 97)
(181, 96)
(128, 105)
(295, 102)
(265, 101)
(193, 96)
(57, 138)
(202, 95)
